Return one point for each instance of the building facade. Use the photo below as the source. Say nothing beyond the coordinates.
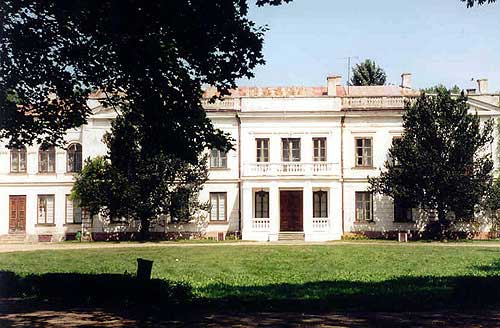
(299, 168)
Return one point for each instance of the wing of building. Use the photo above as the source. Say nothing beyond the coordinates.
(298, 170)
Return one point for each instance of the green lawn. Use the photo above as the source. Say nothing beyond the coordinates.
(342, 274)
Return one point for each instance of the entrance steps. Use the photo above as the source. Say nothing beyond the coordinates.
(291, 236)
(13, 238)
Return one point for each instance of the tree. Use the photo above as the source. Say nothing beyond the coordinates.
(471, 3)
(368, 73)
(442, 161)
(437, 88)
(144, 184)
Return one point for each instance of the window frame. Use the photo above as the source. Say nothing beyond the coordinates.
(363, 201)
(261, 145)
(321, 142)
(218, 213)
(290, 141)
(263, 208)
(221, 159)
(320, 210)
(47, 152)
(53, 210)
(74, 154)
(18, 152)
(363, 158)
(73, 212)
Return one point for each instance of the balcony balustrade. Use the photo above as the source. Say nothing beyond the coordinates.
(321, 224)
(375, 102)
(290, 169)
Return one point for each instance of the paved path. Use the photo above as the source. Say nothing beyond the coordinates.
(23, 247)
(22, 313)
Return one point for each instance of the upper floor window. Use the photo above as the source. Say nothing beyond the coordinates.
(320, 204)
(261, 204)
(262, 149)
(218, 159)
(218, 206)
(73, 211)
(364, 206)
(364, 152)
(291, 149)
(18, 160)
(47, 160)
(74, 160)
(402, 211)
(319, 154)
(395, 141)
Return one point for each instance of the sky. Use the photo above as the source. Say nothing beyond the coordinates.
(438, 41)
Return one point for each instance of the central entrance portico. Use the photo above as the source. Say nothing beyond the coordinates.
(291, 210)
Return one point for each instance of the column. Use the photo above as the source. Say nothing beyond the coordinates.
(246, 212)
(308, 207)
(274, 209)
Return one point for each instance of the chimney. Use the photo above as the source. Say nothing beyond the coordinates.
(482, 86)
(331, 84)
(406, 80)
(471, 91)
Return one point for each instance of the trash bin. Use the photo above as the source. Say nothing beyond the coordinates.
(144, 269)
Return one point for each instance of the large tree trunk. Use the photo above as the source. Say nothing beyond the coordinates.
(144, 232)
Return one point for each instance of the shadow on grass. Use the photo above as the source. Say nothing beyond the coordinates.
(398, 294)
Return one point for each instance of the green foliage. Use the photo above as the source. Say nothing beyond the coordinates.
(442, 161)
(368, 73)
(471, 3)
(441, 88)
(151, 56)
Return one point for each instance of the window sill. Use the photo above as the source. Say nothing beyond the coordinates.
(218, 222)
(18, 173)
(404, 222)
(363, 168)
(364, 222)
(72, 224)
(45, 225)
(46, 173)
(219, 169)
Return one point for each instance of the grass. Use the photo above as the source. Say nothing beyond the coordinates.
(363, 276)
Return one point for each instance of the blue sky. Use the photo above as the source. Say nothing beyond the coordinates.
(439, 41)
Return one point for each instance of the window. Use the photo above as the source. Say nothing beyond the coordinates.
(364, 152)
(261, 204)
(74, 158)
(45, 209)
(320, 204)
(402, 211)
(73, 211)
(218, 159)
(18, 160)
(319, 154)
(393, 161)
(47, 160)
(262, 150)
(218, 206)
(364, 206)
(291, 149)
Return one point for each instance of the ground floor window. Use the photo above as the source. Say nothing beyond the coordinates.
(218, 206)
(73, 211)
(364, 206)
(402, 211)
(261, 204)
(45, 209)
(320, 204)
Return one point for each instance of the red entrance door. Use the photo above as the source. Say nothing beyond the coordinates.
(17, 214)
(291, 210)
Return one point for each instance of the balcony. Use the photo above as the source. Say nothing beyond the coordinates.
(290, 169)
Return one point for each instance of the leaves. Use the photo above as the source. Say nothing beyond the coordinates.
(368, 73)
(471, 3)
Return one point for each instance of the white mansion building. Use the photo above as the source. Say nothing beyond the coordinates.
(299, 168)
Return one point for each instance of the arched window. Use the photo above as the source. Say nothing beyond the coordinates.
(18, 160)
(74, 158)
(47, 160)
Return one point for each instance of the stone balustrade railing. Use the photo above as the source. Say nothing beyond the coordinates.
(393, 102)
(290, 169)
